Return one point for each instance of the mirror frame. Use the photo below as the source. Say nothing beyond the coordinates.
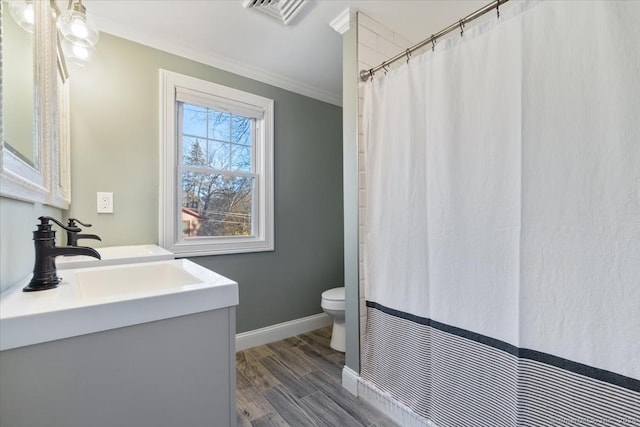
(49, 183)
(60, 176)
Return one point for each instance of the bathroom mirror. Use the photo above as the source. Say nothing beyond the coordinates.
(34, 129)
(17, 77)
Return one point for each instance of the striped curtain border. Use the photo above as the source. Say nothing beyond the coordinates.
(521, 353)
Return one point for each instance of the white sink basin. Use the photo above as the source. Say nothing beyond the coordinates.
(114, 255)
(96, 299)
(133, 279)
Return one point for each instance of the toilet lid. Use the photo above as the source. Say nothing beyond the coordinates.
(335, 294)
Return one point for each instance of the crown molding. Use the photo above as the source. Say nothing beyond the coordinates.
(342, 22)
(221, 62)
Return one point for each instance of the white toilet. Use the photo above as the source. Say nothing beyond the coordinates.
(333, 304)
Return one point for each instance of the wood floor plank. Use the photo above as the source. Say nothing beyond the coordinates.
(355, 407)
(337, 358)
(298, 386)
(255, 373)
(241, 381)
(323, 334)
(252, 404)
(293, 341)
(297, 382)
(288, 407)
(319, 361)
(241, 420)
(319, 344)
(284, 353)
(269, 420)
(258, 353)
(327, 412)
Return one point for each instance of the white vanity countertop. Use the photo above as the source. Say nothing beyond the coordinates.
(89, 300)
(112, 255)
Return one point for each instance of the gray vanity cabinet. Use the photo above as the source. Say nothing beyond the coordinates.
(172, 372)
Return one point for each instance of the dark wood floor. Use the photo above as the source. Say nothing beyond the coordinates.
(297, 382)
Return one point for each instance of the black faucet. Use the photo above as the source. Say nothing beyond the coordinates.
(44, 240)
(72, 234)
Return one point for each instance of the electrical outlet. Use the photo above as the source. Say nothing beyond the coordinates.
(105, 202)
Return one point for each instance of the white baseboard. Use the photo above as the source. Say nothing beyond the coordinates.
(393, 409)
(281, 331)
(350, 380)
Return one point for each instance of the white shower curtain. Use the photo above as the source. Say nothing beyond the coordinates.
(502, 224)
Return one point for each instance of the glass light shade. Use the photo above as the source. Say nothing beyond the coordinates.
(22, 12)
(77, 54)
(76, 27)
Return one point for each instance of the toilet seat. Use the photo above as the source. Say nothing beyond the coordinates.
(333, 299)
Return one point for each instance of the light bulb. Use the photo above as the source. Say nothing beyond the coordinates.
(77, 54)
(28, 13)
(22, 12)
(79, 29)
(76, 27)
(80, 52)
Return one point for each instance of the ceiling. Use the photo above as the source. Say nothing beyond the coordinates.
(304, 57)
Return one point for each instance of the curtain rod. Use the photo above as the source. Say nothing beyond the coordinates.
(366, 74)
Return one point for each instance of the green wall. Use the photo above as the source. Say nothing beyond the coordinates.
(115, 147)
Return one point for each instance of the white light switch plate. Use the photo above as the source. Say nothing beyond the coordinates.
(105, 202)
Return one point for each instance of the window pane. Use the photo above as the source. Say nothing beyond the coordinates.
(194, 120)
(193, 151)
(219, 125)
(241, 158)
(216, 205)
(241, 130)
(219, 155)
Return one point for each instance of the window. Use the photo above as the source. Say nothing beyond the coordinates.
(216, 193)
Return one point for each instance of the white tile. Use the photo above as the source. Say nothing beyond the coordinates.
(388, 48)
(371, 56)
(362, 65)
(402, 41)
(373, 25)
(367, 37)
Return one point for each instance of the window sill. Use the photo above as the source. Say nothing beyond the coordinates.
(223, 248)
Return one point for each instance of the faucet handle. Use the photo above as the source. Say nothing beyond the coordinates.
(72, 223)
(44, 223)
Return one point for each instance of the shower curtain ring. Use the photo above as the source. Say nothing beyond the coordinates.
(461, 27)
(498, 8)
(408, 53)
(385, 67)
(433, 43)
(371, 73)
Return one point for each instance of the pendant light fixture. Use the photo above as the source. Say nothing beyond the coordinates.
(76, 27)
(22, 12)
(79, 33)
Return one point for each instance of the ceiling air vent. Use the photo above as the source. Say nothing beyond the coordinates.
(281, 10)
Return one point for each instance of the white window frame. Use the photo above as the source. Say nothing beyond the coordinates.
(170, 231)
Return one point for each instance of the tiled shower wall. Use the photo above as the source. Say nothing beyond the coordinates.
(376, 43)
